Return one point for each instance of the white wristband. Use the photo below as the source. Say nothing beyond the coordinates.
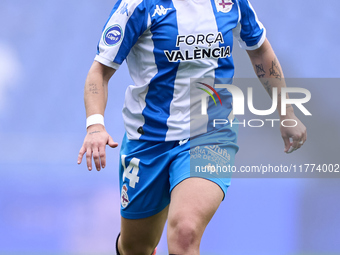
(95, 119)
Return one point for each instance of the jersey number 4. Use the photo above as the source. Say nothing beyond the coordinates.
(131, 171)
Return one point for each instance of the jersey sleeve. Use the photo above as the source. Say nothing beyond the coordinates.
(249, 32)
(127, 21)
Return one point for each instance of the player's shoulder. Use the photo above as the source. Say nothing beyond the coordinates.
(242, 1)
(140, 2)
(245, 8)
(242, 4)
(142, 5)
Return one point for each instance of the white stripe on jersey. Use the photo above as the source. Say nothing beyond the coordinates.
(180, 105)
(138, 64)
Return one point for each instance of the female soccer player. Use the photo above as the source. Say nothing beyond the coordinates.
(175, 49)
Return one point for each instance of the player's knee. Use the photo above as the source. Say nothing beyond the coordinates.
(136, 248)
(184, 233)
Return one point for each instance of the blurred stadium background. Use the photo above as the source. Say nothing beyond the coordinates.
(49, 205)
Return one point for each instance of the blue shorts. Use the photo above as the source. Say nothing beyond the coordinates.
(150, 170)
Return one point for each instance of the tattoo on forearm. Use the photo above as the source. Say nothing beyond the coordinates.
(93, 88)
(268, 87)
(260, 72)
(94, 132)
(275, 70)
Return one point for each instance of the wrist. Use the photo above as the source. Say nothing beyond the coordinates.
(95, 119)
(289, 113)
(96, 128)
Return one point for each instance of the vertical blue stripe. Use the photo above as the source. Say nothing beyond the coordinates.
(160, 94)
(225, 70)
(134, 28)
(225, 23)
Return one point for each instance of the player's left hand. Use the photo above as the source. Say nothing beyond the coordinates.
(293, 137)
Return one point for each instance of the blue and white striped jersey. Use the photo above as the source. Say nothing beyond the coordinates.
(167, 42)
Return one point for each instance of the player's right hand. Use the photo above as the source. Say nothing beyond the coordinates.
(293, 137)
(94, 146)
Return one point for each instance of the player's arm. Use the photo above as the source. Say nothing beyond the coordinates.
(269, 71)
(95, 97)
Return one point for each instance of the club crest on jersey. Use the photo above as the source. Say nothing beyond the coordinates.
(124, 196)
(224, 5)
(113, 35)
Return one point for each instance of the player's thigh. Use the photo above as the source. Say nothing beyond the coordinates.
(145, 232)
(193, 203)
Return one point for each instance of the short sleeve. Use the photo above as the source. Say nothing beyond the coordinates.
(249, 31)
(127, 21)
